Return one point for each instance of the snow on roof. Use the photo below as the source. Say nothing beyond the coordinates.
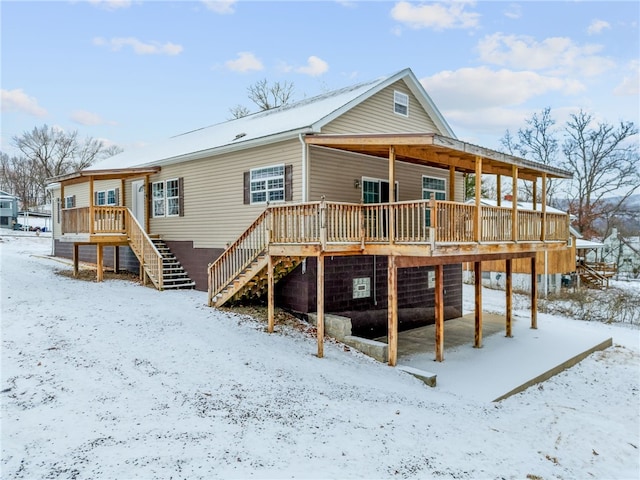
(581, 244)
(284, 122)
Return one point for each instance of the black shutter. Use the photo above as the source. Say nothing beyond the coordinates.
(73, 201)
(181, 196)
(95, 198)
(58, 210)
(150, 199)
(247, 189)
(117, 195)
(288, 182)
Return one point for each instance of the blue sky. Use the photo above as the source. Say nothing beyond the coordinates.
(134, 72)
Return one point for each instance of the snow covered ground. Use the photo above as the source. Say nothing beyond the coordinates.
(117, 380)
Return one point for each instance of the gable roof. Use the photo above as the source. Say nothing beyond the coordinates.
(306, 116)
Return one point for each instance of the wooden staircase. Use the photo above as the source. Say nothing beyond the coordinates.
(592, 278)
(174, 275)
(241, 271)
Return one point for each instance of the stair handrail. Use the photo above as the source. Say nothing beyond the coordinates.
(145, 250)
(239, 255)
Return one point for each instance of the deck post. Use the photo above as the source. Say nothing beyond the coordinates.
(509, 294)
(392, 194)
(320, 305)
(99, 263)
(76, 259)
(534, 294)
(270, 295)
(92, 226)
(543, 227)
(535, 194)
(392, 310)
(514, 203)
(452, 183)
(477, 221)
(439, 313)
(116, 259)
(499, 190)
(477, 273)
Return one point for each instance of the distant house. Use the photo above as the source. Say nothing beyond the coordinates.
(623, 252)
(351, 202)
(8, 210)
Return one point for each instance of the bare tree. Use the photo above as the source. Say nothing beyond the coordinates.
(47, 152)
(267, 96)
(111, 150)
(538, 142)
(605, 163)
(239, 111)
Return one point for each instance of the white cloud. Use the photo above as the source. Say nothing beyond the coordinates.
(630, 84)
(245, 62)
(438, 16)
(18, 101)
(597, 26)
(555, 54)
(111, 4)
(513, 11)
(139, 47)
(223, 7)
(88, 118)
(479, 88)
(315, 67)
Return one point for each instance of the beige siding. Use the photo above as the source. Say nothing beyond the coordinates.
(333, 173)
(214, 213)
(376, 115)
(104, 185)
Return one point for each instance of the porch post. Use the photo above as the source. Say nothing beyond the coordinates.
(514, 204)
(534, 294)
(392, 310)
(148, 204)
(270, 295)
(543, 227)
(116, 259)
(535, 194)
(320, 305)
(392, 194)
(452, 183)
(509, 294)
(477, 226)
(439, 313)
(499, 190)
(99, 263)
(91, 204)
(477, 273)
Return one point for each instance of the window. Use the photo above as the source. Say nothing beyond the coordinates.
(157, 195)
(267, 184)
(70, 201)
(5, 203)
(173, 198)
(401, 103)
(166, 198)
(376, 191)
(101, 198)
(111, 197)
(432, 188)
(106, 197)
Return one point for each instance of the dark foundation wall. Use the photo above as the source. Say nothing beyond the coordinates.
(416, 294)
(195, 261)
(88, 253)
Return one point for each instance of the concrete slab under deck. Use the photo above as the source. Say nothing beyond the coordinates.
(503, 366)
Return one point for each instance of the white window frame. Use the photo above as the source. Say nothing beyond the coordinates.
(110, 192)
(400, 103)
(172, 207)
(68, 201)
(260, 181)
(432, 190)
(163, 204)
(158, 204)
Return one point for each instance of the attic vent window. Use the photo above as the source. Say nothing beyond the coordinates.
(240, 135)
(401, 103)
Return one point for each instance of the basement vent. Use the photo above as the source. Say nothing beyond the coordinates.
(361, 287)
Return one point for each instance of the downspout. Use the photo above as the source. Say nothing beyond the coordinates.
(305, 196)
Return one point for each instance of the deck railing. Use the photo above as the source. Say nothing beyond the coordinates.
(143, 247)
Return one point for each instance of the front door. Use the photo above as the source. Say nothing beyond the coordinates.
(137, 201)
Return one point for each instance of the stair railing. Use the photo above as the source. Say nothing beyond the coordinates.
(142, 246)
(591, 275)
(239, 255)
